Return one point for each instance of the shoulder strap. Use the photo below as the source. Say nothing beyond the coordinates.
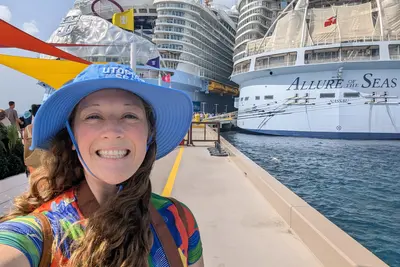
(45, 260)
(181, 212)
(166, 239)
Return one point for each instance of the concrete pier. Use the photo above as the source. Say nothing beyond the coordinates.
(238, 226)
(246, 217)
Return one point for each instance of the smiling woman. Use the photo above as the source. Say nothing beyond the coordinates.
(90, 203)
(112, 130)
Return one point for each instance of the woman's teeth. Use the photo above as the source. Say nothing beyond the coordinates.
(112, 154)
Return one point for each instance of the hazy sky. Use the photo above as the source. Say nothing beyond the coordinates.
(39, 18)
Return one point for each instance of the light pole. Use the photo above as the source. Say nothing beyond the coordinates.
(226, 108)
(204, 108)
(216, 109)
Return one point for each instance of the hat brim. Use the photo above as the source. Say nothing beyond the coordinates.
(172, 109)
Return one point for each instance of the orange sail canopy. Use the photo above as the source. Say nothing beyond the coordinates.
(13, 37)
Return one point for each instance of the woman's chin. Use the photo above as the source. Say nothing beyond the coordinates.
(114, 178)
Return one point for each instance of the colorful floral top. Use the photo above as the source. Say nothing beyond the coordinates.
(24, 233)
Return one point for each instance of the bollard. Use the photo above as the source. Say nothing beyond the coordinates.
(218, 146)
(217, 150)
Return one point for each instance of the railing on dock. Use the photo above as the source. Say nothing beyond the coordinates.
(201, 135)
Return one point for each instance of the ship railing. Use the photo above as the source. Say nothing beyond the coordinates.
(270, 6)
(395, 57)
(223, 117)
(253, 48)
(277, 64)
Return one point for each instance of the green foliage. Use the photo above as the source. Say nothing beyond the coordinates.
(3, 167)
(15, 165)
(18, 150)
(11, 152)
(3, 139)
(3, 131)
(12, 135)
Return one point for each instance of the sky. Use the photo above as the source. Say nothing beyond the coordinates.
(39, 18)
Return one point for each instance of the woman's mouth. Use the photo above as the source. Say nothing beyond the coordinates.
(113, 154)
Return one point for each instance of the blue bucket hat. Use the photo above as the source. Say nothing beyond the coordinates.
(172, 108)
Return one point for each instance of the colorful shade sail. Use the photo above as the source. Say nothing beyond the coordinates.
(13, 37)
(54, 73)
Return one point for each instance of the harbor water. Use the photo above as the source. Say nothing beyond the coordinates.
(355, 184)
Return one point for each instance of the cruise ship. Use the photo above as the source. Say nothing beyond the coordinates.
(255, 18)
(325, 69)
(194, 41)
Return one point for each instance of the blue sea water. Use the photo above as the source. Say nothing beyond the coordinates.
(355, 184)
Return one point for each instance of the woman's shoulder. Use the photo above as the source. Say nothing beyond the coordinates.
(167, 207)
(186, 227)
(162, 203)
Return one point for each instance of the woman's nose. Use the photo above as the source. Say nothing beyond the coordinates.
(112, 130)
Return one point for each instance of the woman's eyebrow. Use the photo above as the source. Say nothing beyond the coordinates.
(89, 105)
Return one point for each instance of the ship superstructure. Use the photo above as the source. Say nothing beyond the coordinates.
(194, 41)
(324, 69)
(255, 18)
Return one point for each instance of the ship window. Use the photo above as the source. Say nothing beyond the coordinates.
(257, 98)
(246, 98)
(327, 95)
(153, 10)
(241, 99)
(357, 94)
(142, 10)
(268, 97)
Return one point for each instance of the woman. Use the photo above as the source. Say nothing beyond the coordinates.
(103, 131)
(31, 158)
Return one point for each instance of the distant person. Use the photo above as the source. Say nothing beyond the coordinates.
(28, 117)
(22, 126)
(3, 118)
(12, 114)
(31, 158)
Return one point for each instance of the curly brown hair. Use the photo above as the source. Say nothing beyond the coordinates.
(118, 233)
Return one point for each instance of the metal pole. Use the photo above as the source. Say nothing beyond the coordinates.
(226, 108)
(378, 2)
(205, 125)
(219, 130)
(216, 109)
(191, 134)
(133, 56)
(303, 32)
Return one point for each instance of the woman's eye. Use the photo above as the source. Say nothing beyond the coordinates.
(93, 117)
(130, 116)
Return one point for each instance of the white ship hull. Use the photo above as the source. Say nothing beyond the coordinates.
(311, 114)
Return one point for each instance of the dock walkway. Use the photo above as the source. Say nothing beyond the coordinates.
(238, 227)
(246, 217)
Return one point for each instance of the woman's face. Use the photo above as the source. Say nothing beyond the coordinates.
(111, 130)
